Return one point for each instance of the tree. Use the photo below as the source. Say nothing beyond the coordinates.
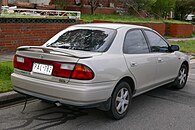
(184, 7)
(144, 4)
(61, 4)
(94, 5)
(163, 7)
(139, 5)
(0, 5)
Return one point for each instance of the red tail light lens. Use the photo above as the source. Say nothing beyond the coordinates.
(68, 70)
(62, 70)
(22, 63)
(82, 72)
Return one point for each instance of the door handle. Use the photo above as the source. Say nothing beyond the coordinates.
(160, 60)
(133, 64)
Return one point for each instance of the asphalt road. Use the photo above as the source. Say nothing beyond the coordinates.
(160, 109)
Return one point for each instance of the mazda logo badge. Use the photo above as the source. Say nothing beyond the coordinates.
(41, 56)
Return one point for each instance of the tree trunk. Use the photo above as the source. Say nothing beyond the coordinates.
(0, 5)
(92, 10)
(94, 5)
(182, 16)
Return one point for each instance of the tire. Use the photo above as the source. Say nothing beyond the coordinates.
(181, 79)
(120, 101)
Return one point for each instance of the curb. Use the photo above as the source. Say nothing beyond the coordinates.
(192, 57)
(192, 61)
(180, 39)
(10, 97)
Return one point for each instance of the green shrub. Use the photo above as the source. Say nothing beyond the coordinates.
(6, 68)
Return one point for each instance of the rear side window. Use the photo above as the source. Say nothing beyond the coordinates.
(85, 39)
(157, 44)
(135, 43)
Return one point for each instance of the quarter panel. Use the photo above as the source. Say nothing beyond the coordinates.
(107, 67)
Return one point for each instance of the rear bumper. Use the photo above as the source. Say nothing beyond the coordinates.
(71, 93)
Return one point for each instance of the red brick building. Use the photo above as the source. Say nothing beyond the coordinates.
(4, 2)
(104, 3)
(106, 6)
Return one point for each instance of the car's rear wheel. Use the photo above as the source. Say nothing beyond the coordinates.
(121, 100)
(181, 79)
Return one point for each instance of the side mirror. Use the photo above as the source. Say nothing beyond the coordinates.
(174, 48)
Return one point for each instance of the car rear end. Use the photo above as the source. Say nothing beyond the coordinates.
(58, 74)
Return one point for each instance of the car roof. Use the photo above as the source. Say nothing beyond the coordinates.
(110, 25)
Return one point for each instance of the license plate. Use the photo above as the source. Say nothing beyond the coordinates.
(42, 68)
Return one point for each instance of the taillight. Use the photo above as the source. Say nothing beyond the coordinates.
(82, 72)
(22, 63)
(62, 70)
(68, 70)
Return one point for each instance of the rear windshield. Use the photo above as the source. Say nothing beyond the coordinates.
(85, 39)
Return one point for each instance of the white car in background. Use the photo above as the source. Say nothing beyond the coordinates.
(189, 17)
(99, 65)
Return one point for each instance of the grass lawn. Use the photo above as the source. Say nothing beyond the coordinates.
(186, 46)
(125, 18)
(6, 68)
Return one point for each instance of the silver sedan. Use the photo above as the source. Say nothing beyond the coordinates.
(99, 65)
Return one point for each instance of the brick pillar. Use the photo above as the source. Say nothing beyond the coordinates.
(52, 2)
(4, 2)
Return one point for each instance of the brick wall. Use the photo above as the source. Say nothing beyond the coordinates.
(193, 28)
(159, 27)
(15, 35)
(105, 3)
(177, 30)
(70, 2)
(4, 2)
(87, 10)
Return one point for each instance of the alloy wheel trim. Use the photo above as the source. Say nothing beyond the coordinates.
(122, 100)
(182, 76)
